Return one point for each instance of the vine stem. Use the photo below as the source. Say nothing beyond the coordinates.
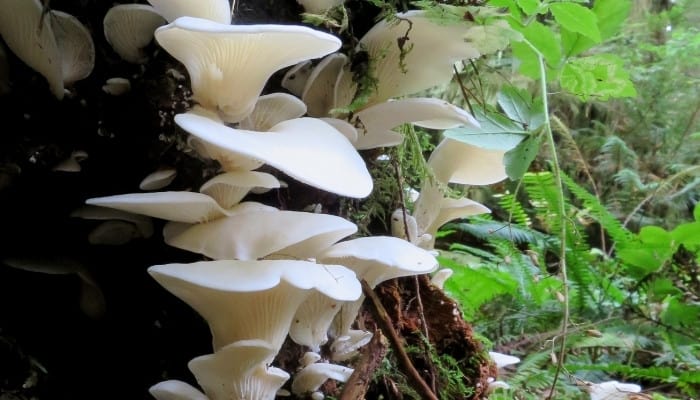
(562, 212)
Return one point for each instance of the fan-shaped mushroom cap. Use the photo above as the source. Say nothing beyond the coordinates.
(440, 277)
(117, 86)
(254, 234)
(375, 259)
(311, 377)
(376, 121)
(612, 390)
(315, 315)
(457, 162)
(212, 10)
(346, 346)
(429, 53)
(319, 6)
(75, 45)
(143, 223)
(248, 299)
(27, 31)
(113, 233)
(72, 163)
(158, 179)
(175, 390)
(295, 78)
(272, 109)
(309, 150)
(343, 127)
(229, 188)
(451, 209)
(129, 28)
(189, 207)
(319, 91)
(230, 64)
(503, 360)
(238, 371)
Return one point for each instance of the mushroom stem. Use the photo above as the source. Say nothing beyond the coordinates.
(386, 325)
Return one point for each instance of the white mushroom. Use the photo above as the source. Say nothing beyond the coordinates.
(306, 149)
(230, 64)
(311, 377)
(319, 91)
(272, 109)
(315, 315)
(440, 277)
(295, 78)
(213, 10)
(254, 234)
(142, 223)
(343, 127)
(117, 86)
(76, 47)
(457, 162)
(412, 53)
(238, 372)
(175, 390)
(188, 207)
(375, 122)
(503, 360)
(129, 28)
(229, 188)
(612, 390)
(375, 259)
(27, 31)
(244, 300)
(319, 6)
(158, 179)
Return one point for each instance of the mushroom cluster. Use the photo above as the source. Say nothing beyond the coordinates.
(268, 273)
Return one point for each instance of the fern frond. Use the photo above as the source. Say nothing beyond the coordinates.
(514, 209)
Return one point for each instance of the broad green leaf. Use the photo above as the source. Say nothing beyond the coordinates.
(574, 43)
(544, 40)
(519, 106)
(659, 289)
(696, 212)
(529, 7)
(601, 76)
(611, 15)
(518, 160)
(496, 132)
(688, 234)
(492, 37)
(576, 18)
(529, 66)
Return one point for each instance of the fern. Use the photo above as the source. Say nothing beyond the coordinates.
(487, 230)
(515, 210)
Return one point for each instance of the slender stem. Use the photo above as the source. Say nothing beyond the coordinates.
(386, 325)
(562, 212)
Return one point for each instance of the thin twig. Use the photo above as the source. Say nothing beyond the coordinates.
(386, 325)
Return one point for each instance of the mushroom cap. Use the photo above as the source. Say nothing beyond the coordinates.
(306, 149)
(343, 127)
(254, 234)
(27, 31)
(457, 162)
(158, 179)
(503, 360)
(75, 45)
(144, 223)
(117, 86)
(212, 10)
(272, 109)
(72, 163)
(319, 6)
(175, 390)
(129, 28)
(230, 64)
(189, 207)
(311, 377)
(295, 78)
(319, 91)
(377, 121)
(238, 371)
(429, 53)
(379, 258)
(315, 315)
(612, 390)
(244, 300)
(229, 188)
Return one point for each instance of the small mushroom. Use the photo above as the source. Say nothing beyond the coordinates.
(318, 93)
(213, 10)
(175, 390)
(72, 163)
(311, 377)
(117, 86)
(158, 179)
(272, 109)
(295, 78)
(229, 188)
(319, 6)
(129, 28)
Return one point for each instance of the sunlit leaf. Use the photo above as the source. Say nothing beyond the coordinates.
(576, 18)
